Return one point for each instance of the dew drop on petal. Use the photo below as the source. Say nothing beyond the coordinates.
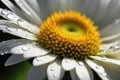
(25, 48)
(26, 35)
(9, 29)
(117, 21)
(38, 59)
(80, 63)
(10, 16)
(28, 13)
(103, 58)
(18, 30)
(4, 12)
(4, 30)
(18, 1)
(104, 74)
(2, 53)
(67, 60)
(33, 53)
(52, 68)
(20, 22)
(113, 48)
(97, 67)
(54, 75)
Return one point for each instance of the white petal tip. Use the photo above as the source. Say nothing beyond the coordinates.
(68, 64)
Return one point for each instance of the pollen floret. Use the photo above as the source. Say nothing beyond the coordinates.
(77, 41)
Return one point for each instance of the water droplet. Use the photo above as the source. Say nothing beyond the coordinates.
(54, 75)
(97, 67)
(7, 1)
(113, 48)
(4, 30)
(29, 28)
(26, 35)
(6, 52)
(18, 30)
(103, 58)
(80, 63)
(10, 16)
(2, 53)
(20, 22)
(38, 59)
(18, 1)
(104, 74)
(117, 21)
(25, 48)
(67, 60)
(28, 13)
(52, 68)
(9, 29)
(4, 12)
(3, 42)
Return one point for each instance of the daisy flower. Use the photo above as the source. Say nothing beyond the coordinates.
(79, 36)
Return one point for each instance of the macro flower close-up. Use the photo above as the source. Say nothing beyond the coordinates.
(78, 39)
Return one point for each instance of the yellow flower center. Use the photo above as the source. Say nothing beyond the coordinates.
(69, 34)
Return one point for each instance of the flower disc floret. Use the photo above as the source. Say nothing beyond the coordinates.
(70, 34)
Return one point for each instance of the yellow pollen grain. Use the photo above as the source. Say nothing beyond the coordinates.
(81, 40)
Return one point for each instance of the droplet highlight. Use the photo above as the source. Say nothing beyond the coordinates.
(4, 12)
(113, 48)
(38, 59)
(80, 63)
(25, 48)
(52, 68)
(10, 16)
(20, 22)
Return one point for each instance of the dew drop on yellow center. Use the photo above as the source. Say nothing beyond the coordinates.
(69, 34)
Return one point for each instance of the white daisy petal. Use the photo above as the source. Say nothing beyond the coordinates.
(45, 9)
(43, 59)
(34, 5)
(105, 46)
(111, 69)
(18, 11)
(37, 52)
(12, 29)
(29, 50)
(112, 10)
(14, 59)
(111, 38)
(26, 8)
(102, 6)
(98, 69)
(87, 7)
(12, 7)
(105, 59)
(79, 5)
(55, 71)
(6, 46)
(110, 32)
(74, 75)
(68, 64)
(19, 21)
(114, 55)
(9, 4)
(37, 72)
(82, 71)
(92, 6)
